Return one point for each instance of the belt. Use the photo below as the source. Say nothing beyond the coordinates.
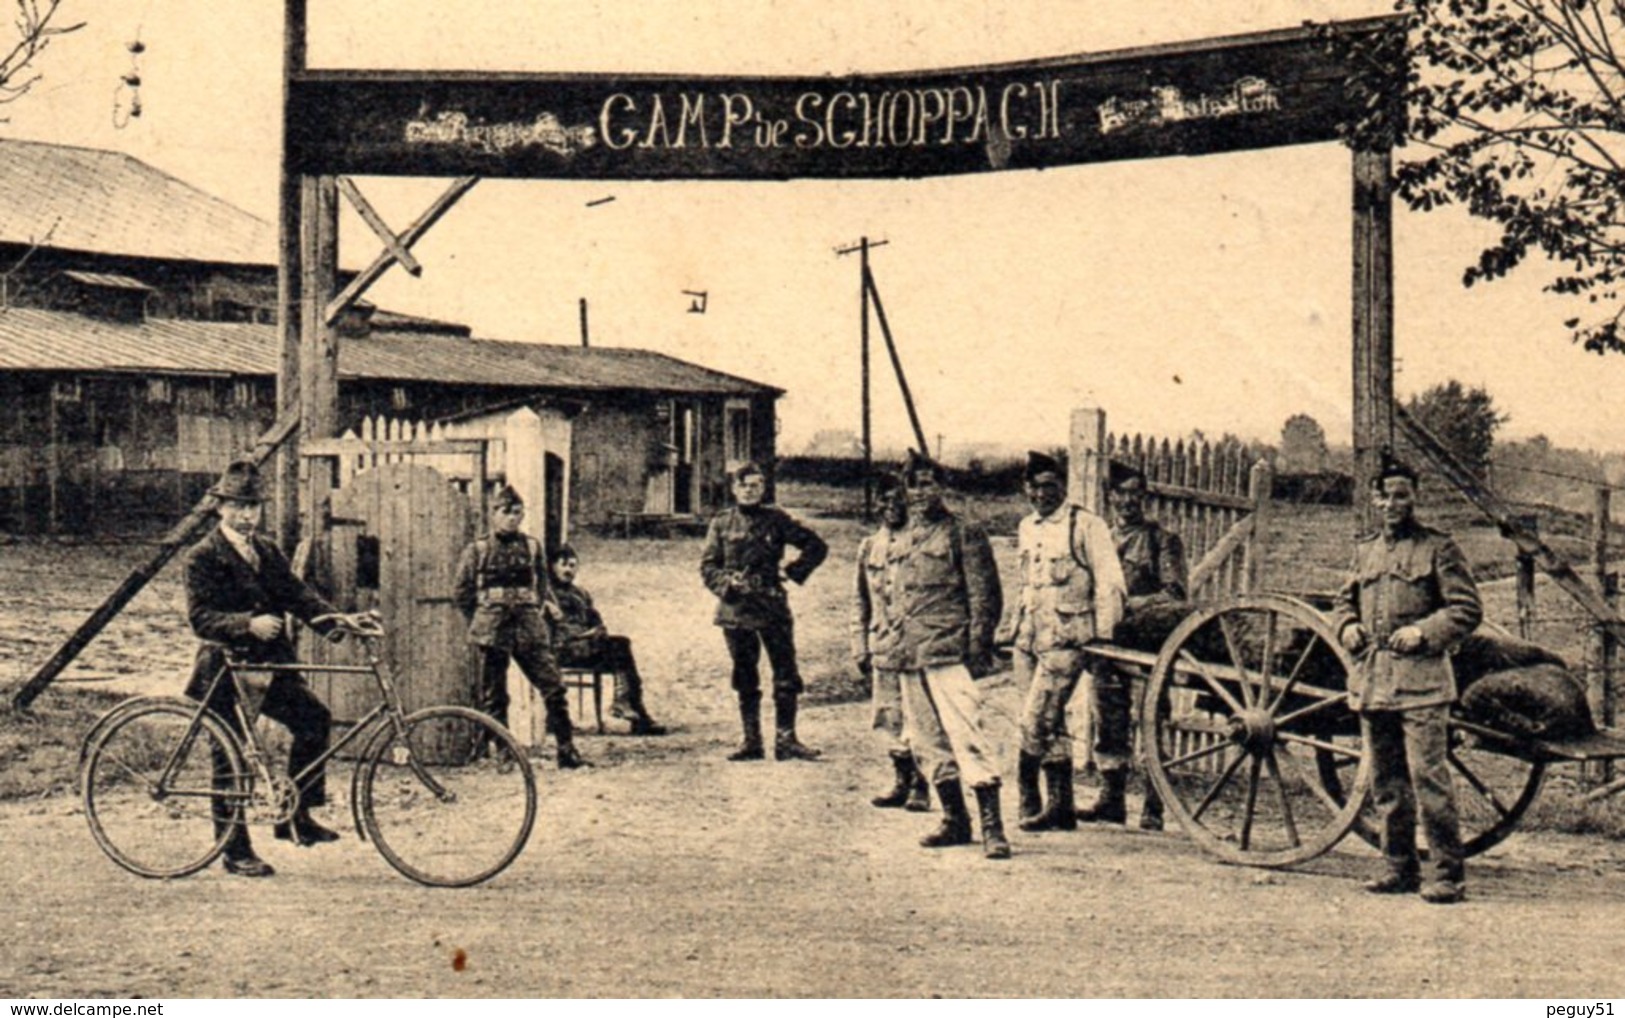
(509, 595)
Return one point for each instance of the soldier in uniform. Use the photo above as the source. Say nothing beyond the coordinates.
(740, 565)
(1153, 561)
(1408, 600)
(584, 642)
(947, 602)
(502, 591)
(876, 631)
(1071, 595)
(239, 588)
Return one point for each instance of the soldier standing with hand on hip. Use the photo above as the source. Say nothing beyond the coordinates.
(1408, 600)
(740, 565)
(502, 591)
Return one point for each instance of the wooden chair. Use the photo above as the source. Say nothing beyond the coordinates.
(581, 679)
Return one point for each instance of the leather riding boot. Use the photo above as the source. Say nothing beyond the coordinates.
(1030, 803)
(994, 843)
(569, 757)
(1151, 811)
(750, 719)
(955, 826)
(304, 831)
(1111, 807)
(620, 706)
(919, 794)
(785, 744)
(1062, 812)
(902, 762)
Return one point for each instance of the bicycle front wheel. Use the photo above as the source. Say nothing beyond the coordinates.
(154, 785)
(451, 801)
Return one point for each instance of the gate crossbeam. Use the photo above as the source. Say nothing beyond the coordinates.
(402, 244)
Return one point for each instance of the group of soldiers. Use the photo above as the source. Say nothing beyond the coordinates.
(925, 623)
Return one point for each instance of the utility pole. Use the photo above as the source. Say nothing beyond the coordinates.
(584, 340)
(862, 248)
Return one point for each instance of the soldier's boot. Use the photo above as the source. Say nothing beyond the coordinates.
(1062, 812)
(620, 706)
(994, 843)
(1151, 811)
(569, 757)
(1111, 807)
(919, 794)
(955, 826)
(902, 762)
(785, 744)
(750, 719)
(1030, 804)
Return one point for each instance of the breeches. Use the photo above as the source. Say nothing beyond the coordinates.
(942, 715)
(886, 693)
(1052, 677)
(745, 648)
(1411, 775)
(540, 668)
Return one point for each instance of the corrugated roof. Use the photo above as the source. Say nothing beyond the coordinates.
(36, 340)
(105, 279)
(86, 199)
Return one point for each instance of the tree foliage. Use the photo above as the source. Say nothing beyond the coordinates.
(1303, 446)
(1464, 419)
(34, 26)
(1517, 114)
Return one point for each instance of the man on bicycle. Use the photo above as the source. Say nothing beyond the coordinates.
(239, 590)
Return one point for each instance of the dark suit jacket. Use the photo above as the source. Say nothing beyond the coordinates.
(223, 593)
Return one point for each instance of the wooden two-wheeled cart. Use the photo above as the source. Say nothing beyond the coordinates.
(1247, 735)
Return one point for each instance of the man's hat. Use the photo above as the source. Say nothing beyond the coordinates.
(507, 498)
(1121, 474)
(743, 469)
(240, 483)
(1392, 466)
(918, 464)
(1039, 464)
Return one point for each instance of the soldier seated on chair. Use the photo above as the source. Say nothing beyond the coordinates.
(239, 591)
(584, 642)
(502, 591)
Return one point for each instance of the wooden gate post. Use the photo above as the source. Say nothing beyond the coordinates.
(1373, 318)
(524, 448)
(1525, 583)
(1088, 459)
(1260, 487)
(1600, 681)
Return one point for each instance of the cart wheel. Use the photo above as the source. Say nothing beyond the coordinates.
(1495, 779)
(1248, 735)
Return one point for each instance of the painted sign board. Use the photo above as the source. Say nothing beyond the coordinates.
(1277, 88)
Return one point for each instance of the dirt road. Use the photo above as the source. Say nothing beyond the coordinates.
(667, 871)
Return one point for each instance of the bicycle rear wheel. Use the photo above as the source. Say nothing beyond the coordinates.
(153, 786)
(451, 802)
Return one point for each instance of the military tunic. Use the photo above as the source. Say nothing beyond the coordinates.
(875, 631)
(502, 590)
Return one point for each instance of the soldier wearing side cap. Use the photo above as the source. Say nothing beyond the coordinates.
(1409, 599)
(502, 591)
(1072, 594)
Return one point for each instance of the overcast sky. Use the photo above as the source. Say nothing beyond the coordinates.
(1208, 293)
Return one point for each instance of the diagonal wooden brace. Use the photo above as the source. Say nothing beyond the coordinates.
(359, 285)
(370, 216)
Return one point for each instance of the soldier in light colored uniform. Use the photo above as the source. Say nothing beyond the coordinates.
(948, 601)
(1409, 599)
(502, 590)
(876, 635)
(1072, 594)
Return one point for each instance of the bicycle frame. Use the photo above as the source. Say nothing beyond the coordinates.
(254, 750)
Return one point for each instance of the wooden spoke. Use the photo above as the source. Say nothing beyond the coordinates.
(1218, 786)
(1267, 663)
(1287, 819)
(1292, 676)
(1197, 754)
(1303, 712)
(1218, 689)
(1236, 661)
(1252, 804)
(1320, 744)
(1314, 785)
(1478, 785)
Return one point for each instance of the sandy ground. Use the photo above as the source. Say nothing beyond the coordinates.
(667, 871)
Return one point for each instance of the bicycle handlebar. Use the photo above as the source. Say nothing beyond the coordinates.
(367, 625)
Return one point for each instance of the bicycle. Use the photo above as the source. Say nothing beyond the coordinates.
(445, 794)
